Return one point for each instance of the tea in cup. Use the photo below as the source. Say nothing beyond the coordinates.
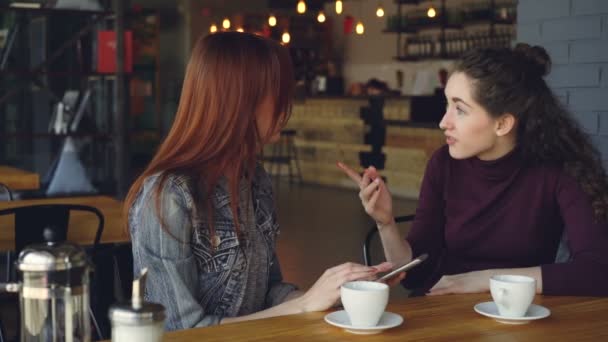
(512, 294)
(364, 302)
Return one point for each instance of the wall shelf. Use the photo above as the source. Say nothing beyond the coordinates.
(417, 59)
(415, 44)
(52, 59)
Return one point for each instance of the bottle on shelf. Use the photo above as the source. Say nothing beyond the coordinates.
(437, 52)
(405, 48)
(414, 47)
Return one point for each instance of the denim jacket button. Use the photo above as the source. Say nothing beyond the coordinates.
(216, 241)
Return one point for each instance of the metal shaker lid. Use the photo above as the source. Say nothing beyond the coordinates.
(147, 313)
(138, 312)
(52, 255)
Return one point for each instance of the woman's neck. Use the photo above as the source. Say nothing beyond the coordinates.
(503, 146)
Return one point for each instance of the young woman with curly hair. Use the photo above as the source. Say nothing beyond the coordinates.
(517, 189)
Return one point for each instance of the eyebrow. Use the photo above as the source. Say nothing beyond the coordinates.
(458, 99)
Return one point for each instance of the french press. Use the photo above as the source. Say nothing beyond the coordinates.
(53, 292)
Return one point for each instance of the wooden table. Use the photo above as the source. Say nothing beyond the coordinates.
(442, 318)
(17, 179)
(81, 227)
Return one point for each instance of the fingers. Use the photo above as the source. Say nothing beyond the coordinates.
(364, 181)
(367, 191)
(371, 204)
(440, 292)
(357, 276)
(372, 172)
(351, 271)
(396, 280)
(443, 286)
(384, 267)
(350, 172)
(349, 267)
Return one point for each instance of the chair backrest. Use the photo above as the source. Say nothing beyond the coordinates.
(367, 258)
(5, 193)
(30, 222)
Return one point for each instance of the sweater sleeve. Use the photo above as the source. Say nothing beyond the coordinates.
(586, 273)
(427, 232)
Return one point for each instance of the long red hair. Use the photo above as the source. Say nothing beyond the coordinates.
(215, 133)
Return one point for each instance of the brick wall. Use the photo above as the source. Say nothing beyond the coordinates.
(575, 33)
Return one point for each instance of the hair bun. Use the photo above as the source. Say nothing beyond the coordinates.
(536, 57)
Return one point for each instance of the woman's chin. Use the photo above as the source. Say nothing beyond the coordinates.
(456, 153)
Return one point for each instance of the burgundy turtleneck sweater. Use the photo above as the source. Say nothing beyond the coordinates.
(477, 215)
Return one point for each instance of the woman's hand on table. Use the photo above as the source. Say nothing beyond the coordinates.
(326, 290)
(374, 194)
(471, 282)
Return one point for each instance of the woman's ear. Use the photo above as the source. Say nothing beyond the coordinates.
(505, 124)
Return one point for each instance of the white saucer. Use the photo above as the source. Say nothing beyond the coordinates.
(340, 319)
(534, 312)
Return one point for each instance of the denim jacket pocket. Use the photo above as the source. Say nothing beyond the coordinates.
(219, 252)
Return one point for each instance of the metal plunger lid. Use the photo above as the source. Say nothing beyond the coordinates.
(52, 255)
(137, 312)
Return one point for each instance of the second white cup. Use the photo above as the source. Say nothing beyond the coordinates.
(364, 302)
(512, 294)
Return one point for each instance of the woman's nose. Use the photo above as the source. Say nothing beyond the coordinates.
(445, 122)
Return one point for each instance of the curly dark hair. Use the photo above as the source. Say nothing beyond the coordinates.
(511, 81)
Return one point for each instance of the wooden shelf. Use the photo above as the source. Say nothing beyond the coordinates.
(439, 26)
(408, 2)
(402, 25)
(421, 58)
(404, 30)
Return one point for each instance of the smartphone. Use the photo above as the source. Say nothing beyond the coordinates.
(404, 268)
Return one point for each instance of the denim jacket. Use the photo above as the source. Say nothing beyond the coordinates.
(200, 279)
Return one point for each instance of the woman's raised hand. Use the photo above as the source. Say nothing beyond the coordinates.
(374, 194)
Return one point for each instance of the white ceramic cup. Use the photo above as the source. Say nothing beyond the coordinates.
(512, 294)
(364, 302)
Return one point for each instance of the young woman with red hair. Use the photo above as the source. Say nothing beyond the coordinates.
(201, 216)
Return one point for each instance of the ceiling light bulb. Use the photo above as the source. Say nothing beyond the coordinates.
(272, 20)
(301, 7)
(360, 29)
(339, 7)
(321, 17)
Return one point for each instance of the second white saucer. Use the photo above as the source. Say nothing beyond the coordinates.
(489, 309)
(340, 319)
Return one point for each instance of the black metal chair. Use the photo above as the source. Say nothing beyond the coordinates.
(30, 223)
(6, 194)
(31, 220)
(2, 334)
(367, 259)
(284, 152)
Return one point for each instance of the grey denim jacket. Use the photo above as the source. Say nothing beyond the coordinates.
(198, 284)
